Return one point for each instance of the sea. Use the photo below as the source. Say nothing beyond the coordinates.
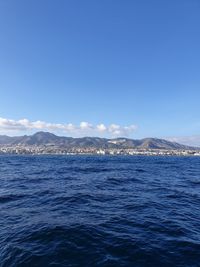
(81, 210)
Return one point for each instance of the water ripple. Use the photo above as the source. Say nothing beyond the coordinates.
(99, 211)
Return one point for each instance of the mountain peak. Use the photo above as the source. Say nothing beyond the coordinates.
(46, 138)
(42, 133)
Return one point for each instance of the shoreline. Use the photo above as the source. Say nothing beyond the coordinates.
(147, 154)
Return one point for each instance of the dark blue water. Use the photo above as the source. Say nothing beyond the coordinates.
(99, 211)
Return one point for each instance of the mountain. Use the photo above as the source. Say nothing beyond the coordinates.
(46, 138)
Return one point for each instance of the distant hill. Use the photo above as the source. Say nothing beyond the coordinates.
(46, 138)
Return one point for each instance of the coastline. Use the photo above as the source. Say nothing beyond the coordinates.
(42, 150)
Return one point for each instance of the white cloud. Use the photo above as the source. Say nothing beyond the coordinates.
(8, 126)
(85, 125)
(118, 130)
(101, 127)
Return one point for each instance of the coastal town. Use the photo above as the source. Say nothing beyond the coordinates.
(56, 150)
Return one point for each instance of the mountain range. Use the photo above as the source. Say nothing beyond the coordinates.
(46, 138)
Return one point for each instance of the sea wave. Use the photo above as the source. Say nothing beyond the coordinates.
(99, 211)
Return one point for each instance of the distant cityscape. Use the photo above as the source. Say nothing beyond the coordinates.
(48, 143)
(39, 150)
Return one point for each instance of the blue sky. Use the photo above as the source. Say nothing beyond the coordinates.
(110, 62)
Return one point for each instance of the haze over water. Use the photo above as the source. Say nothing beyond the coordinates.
(99, 211)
